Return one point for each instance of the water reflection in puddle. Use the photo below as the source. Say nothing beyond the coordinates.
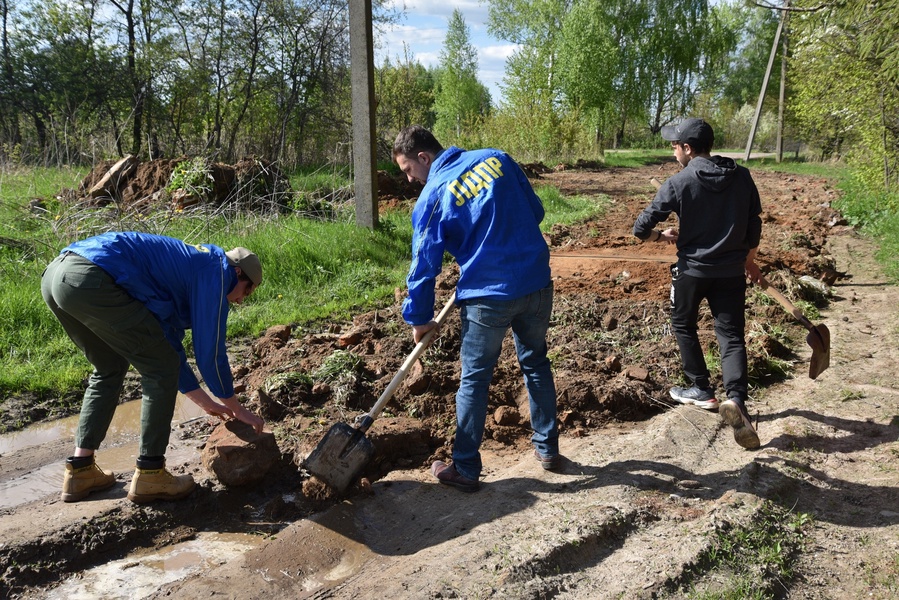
(139, 576)
(126, 422)
(118, 451)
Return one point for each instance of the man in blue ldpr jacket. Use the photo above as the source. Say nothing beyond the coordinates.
(718, 209)
(479, 206)
(127, 299)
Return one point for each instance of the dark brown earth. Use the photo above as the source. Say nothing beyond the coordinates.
(646, 487)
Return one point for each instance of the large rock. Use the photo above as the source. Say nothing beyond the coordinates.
(237, 455)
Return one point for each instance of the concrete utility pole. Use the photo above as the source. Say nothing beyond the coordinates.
(758, 108)
(362, 81)
(781, 104)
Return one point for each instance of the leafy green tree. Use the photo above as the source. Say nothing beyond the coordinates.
(747, 31)
(405, 95)
(588, 65)
(847, 99)
(90, 79)
(533, 96)
(59, 76)
(668, 37)
(535, 26)
(622, 62)
(459, 96)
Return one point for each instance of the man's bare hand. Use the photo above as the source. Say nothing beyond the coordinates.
(252, 419)
(419, 331)
(242, 414)
(209, 406)
(753, 272)
(669, 235)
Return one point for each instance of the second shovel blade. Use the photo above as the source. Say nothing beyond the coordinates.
(819, 340)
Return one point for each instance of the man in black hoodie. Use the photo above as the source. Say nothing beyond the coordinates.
(718, 209)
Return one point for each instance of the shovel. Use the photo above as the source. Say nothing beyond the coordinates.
(818, 335)
(344, 450)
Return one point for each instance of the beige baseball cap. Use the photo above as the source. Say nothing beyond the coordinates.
(248, 263)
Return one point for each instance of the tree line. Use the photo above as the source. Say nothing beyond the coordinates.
(89, 79)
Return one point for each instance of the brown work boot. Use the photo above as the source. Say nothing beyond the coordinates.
(148, 485)
(82, 479)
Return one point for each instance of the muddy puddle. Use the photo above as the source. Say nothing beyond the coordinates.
(142, 574)
(118, 451)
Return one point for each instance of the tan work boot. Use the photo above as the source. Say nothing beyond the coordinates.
(158, 484)
(79, 482)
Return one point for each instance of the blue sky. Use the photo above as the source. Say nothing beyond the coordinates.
(423, 29)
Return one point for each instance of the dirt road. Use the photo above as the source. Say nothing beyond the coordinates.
(654, 501)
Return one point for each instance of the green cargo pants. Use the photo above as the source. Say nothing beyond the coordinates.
(114, 331)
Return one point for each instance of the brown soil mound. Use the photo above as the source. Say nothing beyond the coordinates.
(253, 184)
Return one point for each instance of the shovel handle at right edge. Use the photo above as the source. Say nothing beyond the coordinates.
(420, 347)
(789, 306)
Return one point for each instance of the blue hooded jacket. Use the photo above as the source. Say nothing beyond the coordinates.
(184, 286)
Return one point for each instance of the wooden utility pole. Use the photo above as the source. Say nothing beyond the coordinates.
(362, 81)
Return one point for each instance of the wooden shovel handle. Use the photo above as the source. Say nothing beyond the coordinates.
(789, 306)
(420, 347)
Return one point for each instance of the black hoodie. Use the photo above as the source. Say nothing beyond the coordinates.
(719, 210)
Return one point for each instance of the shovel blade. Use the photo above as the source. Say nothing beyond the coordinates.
(340, 456)
(819, 340)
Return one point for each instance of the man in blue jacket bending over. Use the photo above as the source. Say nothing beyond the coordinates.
(479, 206)
(127, 299)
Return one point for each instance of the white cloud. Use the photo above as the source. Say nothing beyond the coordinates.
(419, 40)
(498, 52)
(423, 30)
(471, 9)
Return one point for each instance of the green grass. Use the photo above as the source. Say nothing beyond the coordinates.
(23, 183)
(886, 231)
(874, 211)
(320, 178)
(636, 158)
(314, 269)
(832, 170)
(568, 209)
(753, 560)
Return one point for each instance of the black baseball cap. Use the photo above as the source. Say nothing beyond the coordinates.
(695, 132)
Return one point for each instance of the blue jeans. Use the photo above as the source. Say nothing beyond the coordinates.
(485, 322)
